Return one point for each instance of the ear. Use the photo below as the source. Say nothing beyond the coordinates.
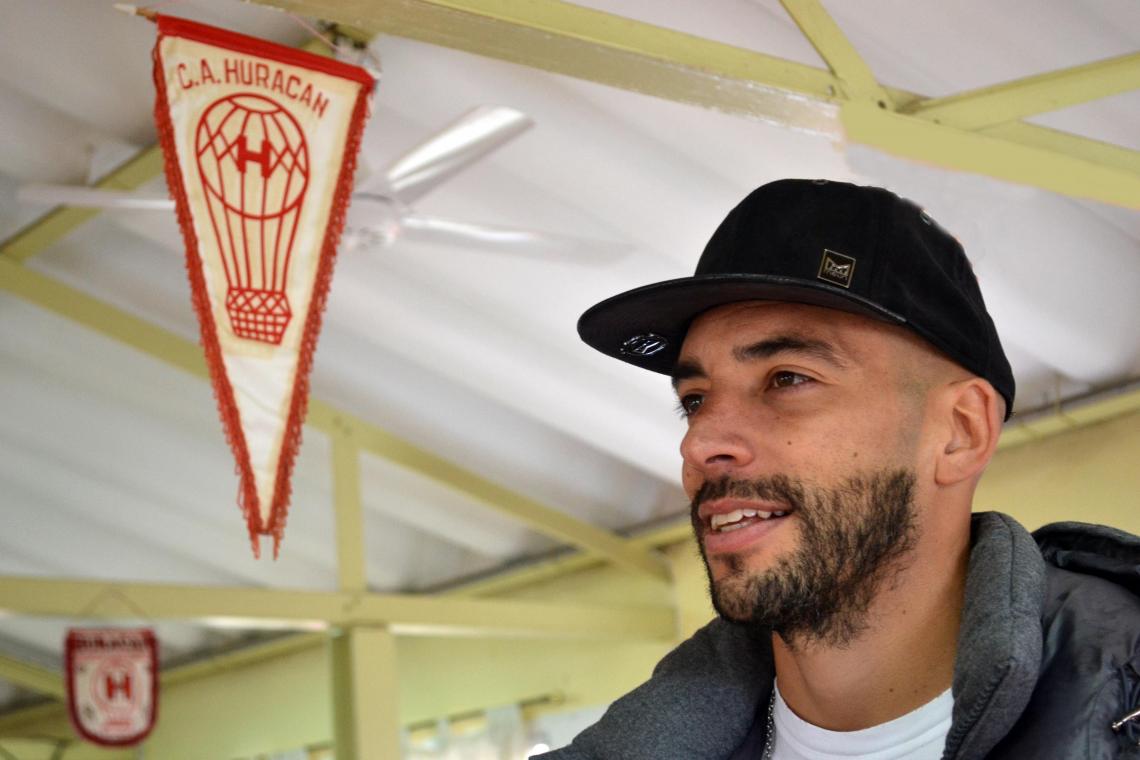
(973, 417)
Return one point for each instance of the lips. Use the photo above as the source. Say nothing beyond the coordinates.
(732, 525)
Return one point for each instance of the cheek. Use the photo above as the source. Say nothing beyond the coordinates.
(861, 439)
(690, 480)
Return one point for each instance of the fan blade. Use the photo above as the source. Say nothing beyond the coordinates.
(91, 197)
(457, 146)
(488, 237)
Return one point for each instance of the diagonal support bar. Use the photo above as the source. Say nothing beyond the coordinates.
(551, 522)
(1052, 91)
(855, 76)
(173, 349)
(1052, 142)
(921, 140)
(143, 167)
(32, 677)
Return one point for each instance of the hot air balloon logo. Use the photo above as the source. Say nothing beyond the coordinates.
(254, 165)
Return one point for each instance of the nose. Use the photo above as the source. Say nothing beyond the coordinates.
(716, 443)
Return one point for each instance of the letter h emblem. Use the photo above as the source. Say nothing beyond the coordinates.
(263, 156)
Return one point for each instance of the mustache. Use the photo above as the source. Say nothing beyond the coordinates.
(779, 488)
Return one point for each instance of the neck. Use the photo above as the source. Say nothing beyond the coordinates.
(903, 659)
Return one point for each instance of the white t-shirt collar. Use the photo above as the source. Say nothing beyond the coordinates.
(918, 735)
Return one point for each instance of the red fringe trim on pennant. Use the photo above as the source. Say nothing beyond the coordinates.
(300, 400)
(223, 391)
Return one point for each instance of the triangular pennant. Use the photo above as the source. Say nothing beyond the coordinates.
(260, 145)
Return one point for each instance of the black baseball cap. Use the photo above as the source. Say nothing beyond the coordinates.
(858, 249)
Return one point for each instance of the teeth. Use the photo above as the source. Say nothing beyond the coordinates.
(728, 518)
(731, 520)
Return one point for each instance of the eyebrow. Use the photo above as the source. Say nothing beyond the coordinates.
(766, 349)
(790, 344)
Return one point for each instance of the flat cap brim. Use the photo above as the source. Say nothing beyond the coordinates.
(646, 326)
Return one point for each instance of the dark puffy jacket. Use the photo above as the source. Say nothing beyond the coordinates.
(1048, 660)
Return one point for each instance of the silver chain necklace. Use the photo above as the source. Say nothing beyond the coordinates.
(770, 731)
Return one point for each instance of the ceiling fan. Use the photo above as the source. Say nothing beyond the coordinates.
(381, 211)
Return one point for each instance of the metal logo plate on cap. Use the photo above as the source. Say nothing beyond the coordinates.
(646, 344)
(836, 268)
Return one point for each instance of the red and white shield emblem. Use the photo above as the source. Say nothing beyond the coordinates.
(112, 683)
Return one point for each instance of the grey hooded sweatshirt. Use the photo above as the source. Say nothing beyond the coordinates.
(1048, 659)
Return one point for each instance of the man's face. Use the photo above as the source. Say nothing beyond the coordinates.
(799, 461)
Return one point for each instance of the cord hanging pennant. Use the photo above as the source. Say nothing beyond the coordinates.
(260, 145)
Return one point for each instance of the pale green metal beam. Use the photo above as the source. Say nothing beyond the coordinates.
(1064, 144)
(241, 658)
(362, 659)
(32, 677)
(921, 140)
(102, 317)
(348, 513)
(557, 525)
(402, 614)
(165, 345)
(12, 722)
(601, 47)
(1051, 91)
(671, 532)
(34, 238)
(365, 694)
(856, 78)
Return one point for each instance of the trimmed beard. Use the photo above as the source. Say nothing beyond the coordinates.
(853, 539)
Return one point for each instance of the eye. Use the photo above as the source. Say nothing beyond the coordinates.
(688, 404)
(787, 379)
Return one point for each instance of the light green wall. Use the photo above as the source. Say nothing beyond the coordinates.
(38, 749)
(1091, 474)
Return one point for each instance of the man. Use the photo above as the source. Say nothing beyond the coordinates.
(844, 389)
